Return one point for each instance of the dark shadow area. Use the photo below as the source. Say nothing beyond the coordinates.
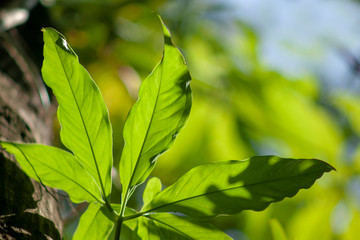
(16, 189)
(21, 226)
(16, 192)
(266, 179)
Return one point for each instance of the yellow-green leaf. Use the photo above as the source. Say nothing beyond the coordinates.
(156, 118)
(55, 168)
(84, 118)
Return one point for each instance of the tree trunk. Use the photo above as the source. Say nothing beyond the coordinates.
(27, 209)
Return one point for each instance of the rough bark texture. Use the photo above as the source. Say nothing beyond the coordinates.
(27, 209)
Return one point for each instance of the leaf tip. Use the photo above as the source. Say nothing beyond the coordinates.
(329, 167)
(165, 28)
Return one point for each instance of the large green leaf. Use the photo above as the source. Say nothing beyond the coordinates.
(85, 125)
(168, 226)
(96, 223)
(157, 117)
(232, 186)
(56, 168)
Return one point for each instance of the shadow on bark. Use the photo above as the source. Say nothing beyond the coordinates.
(18, 217)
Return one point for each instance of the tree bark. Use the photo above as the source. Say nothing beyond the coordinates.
(28, 210)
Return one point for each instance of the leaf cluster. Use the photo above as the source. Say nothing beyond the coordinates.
(161, 111)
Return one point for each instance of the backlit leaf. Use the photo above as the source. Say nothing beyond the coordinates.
(56, 168)
(152, 188)
(157, 117)
(85, 125)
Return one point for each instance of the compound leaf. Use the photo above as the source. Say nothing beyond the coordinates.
(82, 113)
(156, 118)
(95, 223)
(56, 168)
(230, 187)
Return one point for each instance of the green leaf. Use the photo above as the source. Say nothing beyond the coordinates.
(84, 118)
(96, 223)
(156, 118)
(169, 226)
(56, 168)
(230, 187)
(152, 188)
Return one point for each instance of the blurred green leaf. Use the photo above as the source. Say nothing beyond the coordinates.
(313, 221)
(82, 113)
(230, 187)
(277, 230)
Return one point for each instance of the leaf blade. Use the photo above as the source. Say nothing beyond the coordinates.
(84, 119)
(157, 117)
(95, 223)
(56, 168)
(230, 187)
(152, 188)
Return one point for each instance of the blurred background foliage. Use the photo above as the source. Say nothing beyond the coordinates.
(269, 77)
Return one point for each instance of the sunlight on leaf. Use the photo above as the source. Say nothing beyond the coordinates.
(84, 118)
(56, 168)
(152, 188)
(156, 118)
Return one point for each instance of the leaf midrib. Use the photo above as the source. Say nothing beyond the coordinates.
(82, 120)
(223, 190)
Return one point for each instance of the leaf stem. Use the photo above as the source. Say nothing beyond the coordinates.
(120, 219)
(124, 203)
(118, 228)
(108, 206)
